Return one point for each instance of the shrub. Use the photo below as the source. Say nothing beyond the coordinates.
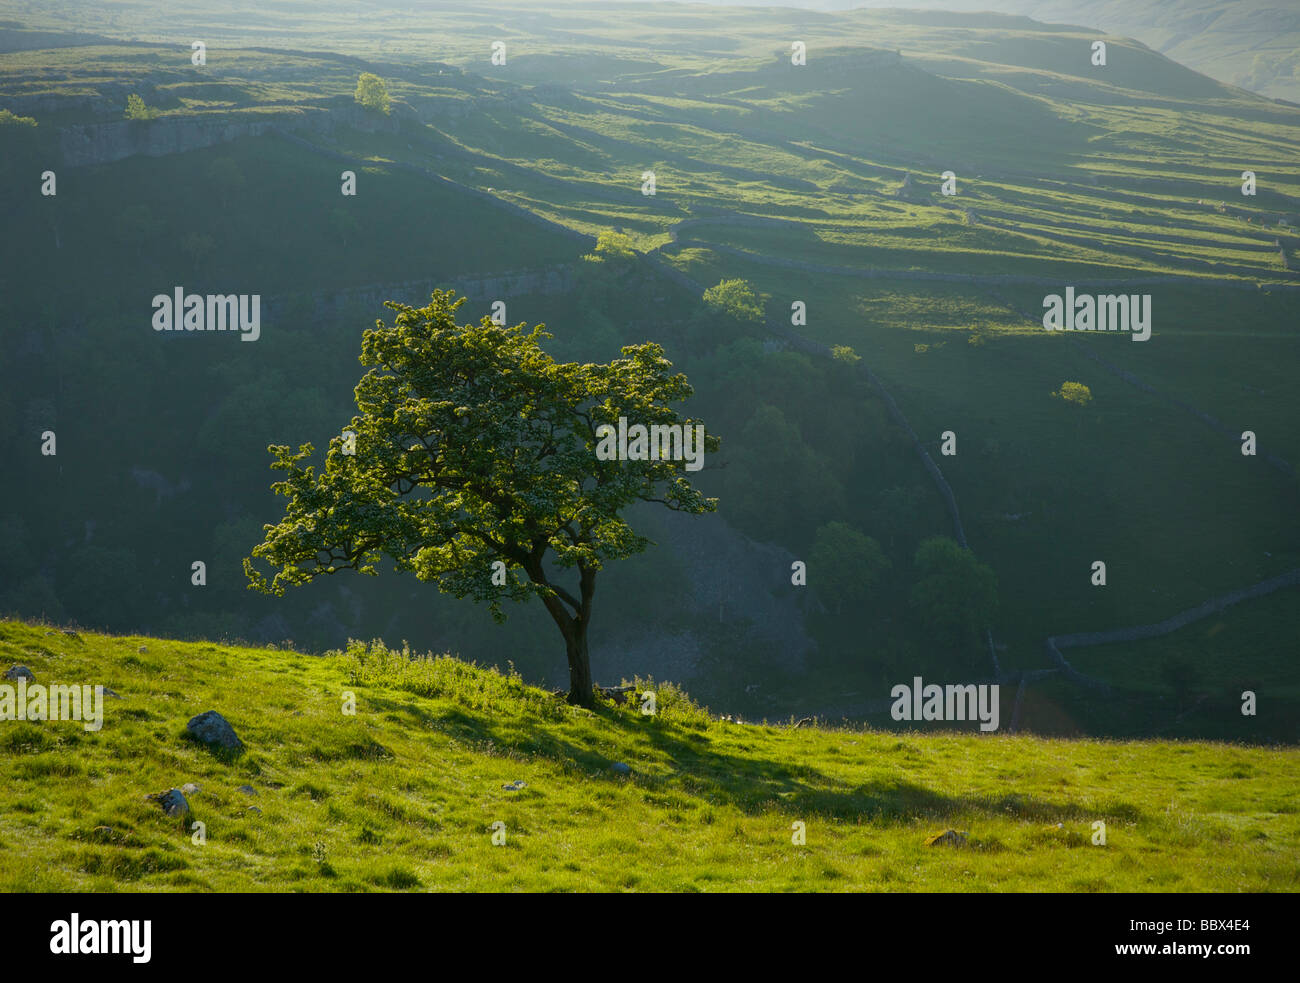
(1074, 392)
(136, 109)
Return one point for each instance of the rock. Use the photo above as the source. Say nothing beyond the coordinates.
(621, 768)
(20, 672)
(211, 728)
(514, 786)
(172, 802)
(949, 837)
(189, 788)
(254, 809)
(142, 649)
(247, 790)
(109, 692)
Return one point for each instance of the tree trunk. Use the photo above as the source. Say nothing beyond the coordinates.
(580, 686)
(574, 629)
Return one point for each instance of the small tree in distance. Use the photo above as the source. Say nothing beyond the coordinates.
(956, 595)
(136, 109)
(614, 247)
(473, 446)
(372, 92)
(1074, 392)
(735, 298)
(847, 565)
(844, 353)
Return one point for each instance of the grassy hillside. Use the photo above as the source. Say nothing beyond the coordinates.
(402, 795)
(1250, 43)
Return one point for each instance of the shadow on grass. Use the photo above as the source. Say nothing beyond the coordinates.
(749, 783)
(228, 756)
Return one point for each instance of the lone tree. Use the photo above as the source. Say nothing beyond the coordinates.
(372, 92)
(473, 461)
(136, 109)
(1074, 392)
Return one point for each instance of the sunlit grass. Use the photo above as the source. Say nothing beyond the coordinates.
(402, 796)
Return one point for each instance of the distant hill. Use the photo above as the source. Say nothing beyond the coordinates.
(1254, 44)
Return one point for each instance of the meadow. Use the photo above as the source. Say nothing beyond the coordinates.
(404, 793)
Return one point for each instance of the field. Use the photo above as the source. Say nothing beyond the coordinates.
(403, 795)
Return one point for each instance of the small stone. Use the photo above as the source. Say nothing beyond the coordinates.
(20, 672)
(247, 790)
(172, 802)
(621, 768)
(110, 692)
(254, 809)
(143, 649)
(189, 788)
(949, 837)
(212, 728)
(514, 786)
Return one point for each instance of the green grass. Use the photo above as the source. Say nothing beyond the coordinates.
(402, 795)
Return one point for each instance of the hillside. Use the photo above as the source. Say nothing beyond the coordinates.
(403, 794)
(818, 185)
(1249, 43)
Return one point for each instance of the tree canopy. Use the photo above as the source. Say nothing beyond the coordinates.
(956, 594)
(1074, 392)
(847, 564)
(372, 92)
(736, 299)
(136, 109)
(472, 446)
